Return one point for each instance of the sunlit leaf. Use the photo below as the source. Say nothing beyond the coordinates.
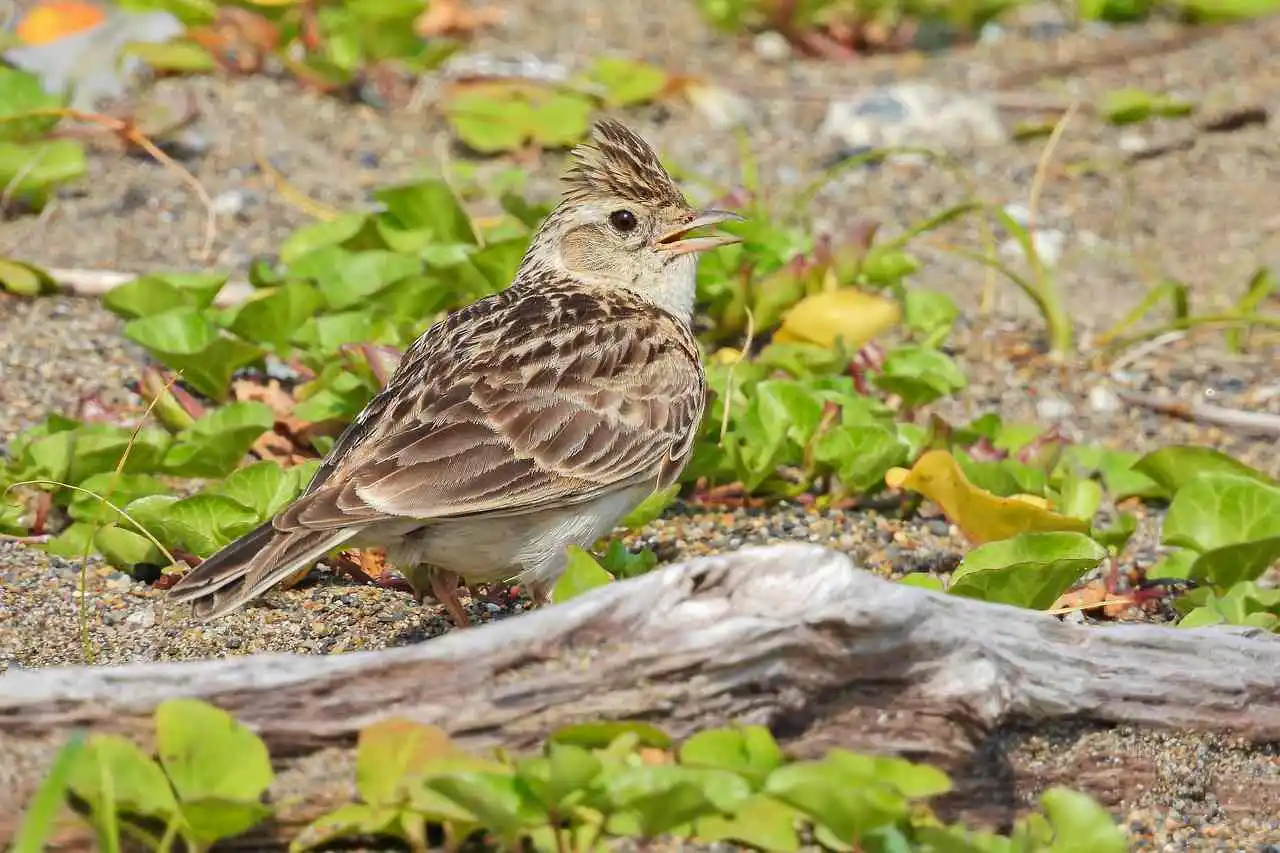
(1029, 570)
(582, 573)
(846, 314)
(980, 515)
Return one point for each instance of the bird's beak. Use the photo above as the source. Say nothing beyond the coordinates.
(676, 241)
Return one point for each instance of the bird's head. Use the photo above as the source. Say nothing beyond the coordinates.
(623, 222)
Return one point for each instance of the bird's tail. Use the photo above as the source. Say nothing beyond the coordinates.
(251, 565)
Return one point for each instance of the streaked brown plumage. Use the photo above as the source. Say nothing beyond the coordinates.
(525, 422)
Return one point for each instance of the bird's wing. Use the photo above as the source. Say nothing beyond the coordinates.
(520, 402)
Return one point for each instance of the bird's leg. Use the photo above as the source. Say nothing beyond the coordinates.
(444, 586)
(539, 593)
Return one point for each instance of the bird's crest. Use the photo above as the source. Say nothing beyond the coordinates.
(617, 163)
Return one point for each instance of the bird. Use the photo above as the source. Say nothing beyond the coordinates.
(525, 422)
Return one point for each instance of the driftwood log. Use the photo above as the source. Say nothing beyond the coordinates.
(792, 636)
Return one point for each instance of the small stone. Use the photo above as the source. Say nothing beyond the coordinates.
(229, 203)
(912, 114)
(723, 107)
(1053, 408)
(1104, 400)
(144, 618)
(1132, 143)
(771, 46)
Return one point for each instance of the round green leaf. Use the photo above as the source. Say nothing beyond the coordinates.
(208, 755)
(1030, 570)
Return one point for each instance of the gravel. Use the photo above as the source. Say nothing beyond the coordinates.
(1205, 216)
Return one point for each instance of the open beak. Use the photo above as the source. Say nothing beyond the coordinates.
(676, 241)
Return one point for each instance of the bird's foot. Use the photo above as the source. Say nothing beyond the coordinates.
(444, 586)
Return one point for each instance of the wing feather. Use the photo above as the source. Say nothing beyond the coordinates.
(523, 401)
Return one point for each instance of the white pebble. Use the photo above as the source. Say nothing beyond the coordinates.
(1103, 399)
(1053, 408)
(771, 46)
(144, 618)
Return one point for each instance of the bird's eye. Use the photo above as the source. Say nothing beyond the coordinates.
(623, 221)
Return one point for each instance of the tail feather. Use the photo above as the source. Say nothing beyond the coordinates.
(250, 566)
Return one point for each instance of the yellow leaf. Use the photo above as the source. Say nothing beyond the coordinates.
(48, 22)
(725, 355)
(980, 515)
(846, 313)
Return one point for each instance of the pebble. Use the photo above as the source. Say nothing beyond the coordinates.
(1103, 400)
(771, 46)
(912, 114)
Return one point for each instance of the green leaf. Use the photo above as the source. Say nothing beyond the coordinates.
(622, 563)
(99, 447)
(185, 340)
(156, 294)
(178, 331)
(1080, 824)
(29, 171)
(564, 770)
(354, 277)
(428, 208)
(497, 263)
(125, 549)
(1223, 11)
(497, 800)
(651, 508)
(215, 444)
(657, 798)
(1126, 106)
(1233, 521)
(22, 279)
(749, 751)
(1030, 570)
(582, 573)
(626, 82)
(180, 57)
(211, 819)
(42, 811)
(209, 755)
(1175, 565)
(263, 487)
(915, 781)
(328, 332)
(1117, 535)
(318, 235)
(859, 455)
(273, 315)
(22, 93)
(1116, 468)
(111, 773)
(502, 115)
(928, 312)
(72, 542)
(848, 804)
(347, 820)
(1175, 466)
(123, 488)
(600, 735)
(923, 580)
(762, 822)
(201, 523)
(1079, 497)
(919, 375)
(391, 752)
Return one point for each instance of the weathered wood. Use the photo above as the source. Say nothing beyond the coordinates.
(792, 636)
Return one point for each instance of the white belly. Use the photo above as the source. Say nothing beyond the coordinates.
(528, 547)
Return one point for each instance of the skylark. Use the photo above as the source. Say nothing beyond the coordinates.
(526, 422)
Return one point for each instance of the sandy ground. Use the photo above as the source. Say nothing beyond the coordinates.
(1205, 215)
